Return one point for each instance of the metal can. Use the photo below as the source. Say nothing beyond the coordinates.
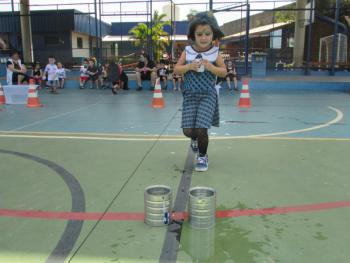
(158, 205)
(202, 206)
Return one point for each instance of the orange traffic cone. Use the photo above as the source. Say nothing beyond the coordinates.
(2, 95)
(158, 101)
(33, 99)
(244, 99)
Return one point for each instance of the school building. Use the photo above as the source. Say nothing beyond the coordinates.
(276, 39)
(68, 34)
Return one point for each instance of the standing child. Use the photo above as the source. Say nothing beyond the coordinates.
(61, 73)
(201, 63)
(52, 78)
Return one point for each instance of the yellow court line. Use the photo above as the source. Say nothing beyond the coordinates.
(139, 137)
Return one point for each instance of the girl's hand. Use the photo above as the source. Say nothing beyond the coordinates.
(207, 65)
(194, 65)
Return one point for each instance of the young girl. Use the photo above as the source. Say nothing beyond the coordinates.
(201, 63)
(37, 74)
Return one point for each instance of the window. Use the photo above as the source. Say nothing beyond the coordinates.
(276, 39)
(79, 42)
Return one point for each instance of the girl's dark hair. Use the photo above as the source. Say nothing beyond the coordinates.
(204, 18)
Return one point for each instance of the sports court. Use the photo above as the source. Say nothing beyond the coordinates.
(73, 174)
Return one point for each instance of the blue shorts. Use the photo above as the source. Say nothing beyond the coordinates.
(52, 82)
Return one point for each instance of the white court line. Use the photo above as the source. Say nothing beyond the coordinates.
(53, 117)
(39, 135)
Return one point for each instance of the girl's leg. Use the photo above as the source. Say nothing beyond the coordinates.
(190, 133)
(228, 81)
(62, 83)
(235, 83)
(203, 141)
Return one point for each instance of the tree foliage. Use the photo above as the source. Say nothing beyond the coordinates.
(142, 34)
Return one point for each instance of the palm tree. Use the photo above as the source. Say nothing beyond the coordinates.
(142, 33)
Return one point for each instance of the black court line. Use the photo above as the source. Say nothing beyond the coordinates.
(73, 227)
(172, 238)
(123, 186)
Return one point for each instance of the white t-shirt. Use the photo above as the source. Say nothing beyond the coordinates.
(51, 70)
(83, 69)
(61, 73)
(9, 73)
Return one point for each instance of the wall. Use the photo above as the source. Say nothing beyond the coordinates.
(85, 51)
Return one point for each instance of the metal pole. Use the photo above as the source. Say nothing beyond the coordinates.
(211, 5)
(90, 38)
(151, 40)
(13, 6)
(96, 28)
(99, 58)
(26, 31)
(307, 66)
(335, 38)
(246, 44)
(172, 28)
(147, 35)
(120, 48)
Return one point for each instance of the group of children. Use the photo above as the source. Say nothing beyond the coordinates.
(109, 75)
(177, 79)
(53, 75)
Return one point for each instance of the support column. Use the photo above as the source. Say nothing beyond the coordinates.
(299, 34)
(26, 32)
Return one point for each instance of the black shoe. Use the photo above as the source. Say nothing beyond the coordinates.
(114, 91)
(139, 88)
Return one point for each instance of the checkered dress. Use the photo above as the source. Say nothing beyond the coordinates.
(200, 107)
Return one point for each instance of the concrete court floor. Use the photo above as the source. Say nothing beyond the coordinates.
(93, 153)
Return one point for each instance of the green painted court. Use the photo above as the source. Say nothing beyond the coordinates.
(73, 175)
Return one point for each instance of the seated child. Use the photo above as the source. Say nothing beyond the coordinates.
(83, 75)
(162, 73)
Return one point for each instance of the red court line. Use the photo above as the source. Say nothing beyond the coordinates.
(70, 215)
(125, 216)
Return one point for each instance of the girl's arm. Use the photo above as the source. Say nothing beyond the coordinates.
(181, 67)
(218, 70)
